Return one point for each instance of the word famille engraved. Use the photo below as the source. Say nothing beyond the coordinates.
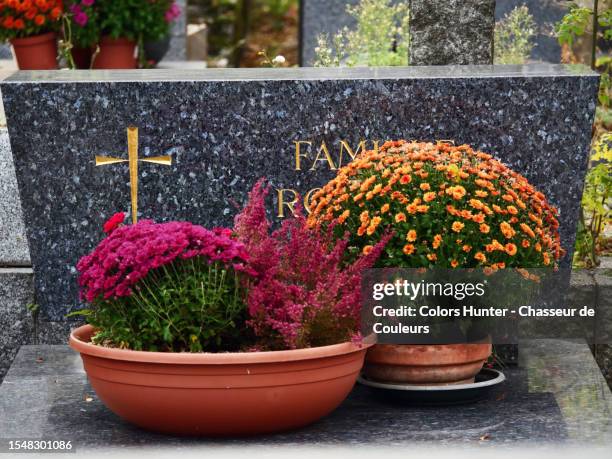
(310, 157)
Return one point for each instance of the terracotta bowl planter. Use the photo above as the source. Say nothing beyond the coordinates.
(441, 364)
(36, 53)
(115, 54)
(225, 394)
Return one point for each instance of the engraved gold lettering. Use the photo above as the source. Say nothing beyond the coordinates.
(327, 157)
(283, 202)
(344, 145)
(298, 153)
(307, 199)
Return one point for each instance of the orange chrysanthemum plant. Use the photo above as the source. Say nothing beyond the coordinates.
(26, 18)
(448, 206)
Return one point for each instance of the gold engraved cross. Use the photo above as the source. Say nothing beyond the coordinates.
(133, 159)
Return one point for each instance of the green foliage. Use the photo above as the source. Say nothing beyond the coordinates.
(596, 203)
(514, 37)
(381, 37)
(134, 19)
(189, 305)
(574, 24)
(605, 21)
(605, 88)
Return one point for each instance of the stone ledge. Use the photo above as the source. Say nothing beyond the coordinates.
(556, 397)
(14, 249)
(16, 322)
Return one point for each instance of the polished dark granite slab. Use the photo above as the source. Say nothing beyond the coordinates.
(557, 397)
(227, 128)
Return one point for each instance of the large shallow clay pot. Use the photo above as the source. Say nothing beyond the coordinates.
(440, 364)
(115, 54)
(225, 394)
(36, 53)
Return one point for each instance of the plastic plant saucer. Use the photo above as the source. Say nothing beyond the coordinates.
(486, 381)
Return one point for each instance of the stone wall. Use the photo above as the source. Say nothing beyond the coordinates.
(18, 323)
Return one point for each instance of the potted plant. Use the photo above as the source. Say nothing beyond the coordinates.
(83, 31)
(157, 39)
(126, 25)
(31, 26)
(448, 207)
(219, 332)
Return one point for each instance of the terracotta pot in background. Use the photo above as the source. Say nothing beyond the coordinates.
(36, 53)
(225, 394)
(440, 364)
(116, 54)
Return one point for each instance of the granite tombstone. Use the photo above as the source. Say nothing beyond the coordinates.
(224, 129)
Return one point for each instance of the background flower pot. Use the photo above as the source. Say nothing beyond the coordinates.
(225, 394)
(36, 53)
(439, 364)
(116, 54)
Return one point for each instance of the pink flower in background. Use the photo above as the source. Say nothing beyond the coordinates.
(88, 2)
(81, 18)
(173, 12)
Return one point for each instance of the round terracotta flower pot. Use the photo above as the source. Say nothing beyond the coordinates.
(224, 394)
(36, 53)
(116, 54)
(440, 364)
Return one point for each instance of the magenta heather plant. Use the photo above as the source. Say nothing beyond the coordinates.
(304, 295)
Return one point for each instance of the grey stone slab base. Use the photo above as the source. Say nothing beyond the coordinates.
(14, 249)
(16, 323)
(557, 397)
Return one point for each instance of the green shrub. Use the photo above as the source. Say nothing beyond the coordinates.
(381, 37)
(514, 37)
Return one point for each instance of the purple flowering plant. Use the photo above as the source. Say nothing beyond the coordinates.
(84, 23)
(134, 19)
(166, 287)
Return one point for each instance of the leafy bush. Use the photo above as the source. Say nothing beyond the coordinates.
(166, 287)
(84, 24)
(304, 295)
(514, 37)
(381, 37)
(596, 201)
(447, 207)
(135, 19)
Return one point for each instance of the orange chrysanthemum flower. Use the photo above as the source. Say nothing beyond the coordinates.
(457, 226)
(408, 249)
